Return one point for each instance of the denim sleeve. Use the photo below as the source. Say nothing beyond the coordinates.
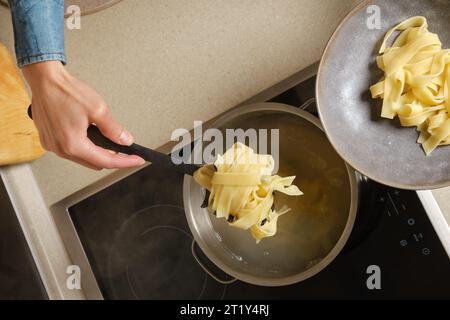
(38, 30)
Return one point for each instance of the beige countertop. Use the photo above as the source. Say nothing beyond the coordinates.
(161, 65)
(442, 197)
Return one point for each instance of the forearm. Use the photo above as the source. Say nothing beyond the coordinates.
(38, 30)
(63, 106)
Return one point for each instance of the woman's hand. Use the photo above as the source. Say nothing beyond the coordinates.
(63, 109)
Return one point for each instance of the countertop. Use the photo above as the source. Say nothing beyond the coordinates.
(442, 197)
(160, 65)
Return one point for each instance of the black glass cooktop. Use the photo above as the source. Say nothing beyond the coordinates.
(138, 243)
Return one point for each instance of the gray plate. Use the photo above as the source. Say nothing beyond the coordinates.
(379, 148)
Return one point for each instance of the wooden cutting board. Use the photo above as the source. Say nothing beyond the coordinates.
(19, 139)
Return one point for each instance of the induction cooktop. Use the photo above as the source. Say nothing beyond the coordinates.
(136, 240)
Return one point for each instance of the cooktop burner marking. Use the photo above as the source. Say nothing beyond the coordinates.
(167, 227)
(129, 282)
(150, 251)
(393, 204)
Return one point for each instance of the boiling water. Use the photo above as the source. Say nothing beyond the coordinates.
(317, 219)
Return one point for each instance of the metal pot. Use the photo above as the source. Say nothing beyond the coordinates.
(312, 234)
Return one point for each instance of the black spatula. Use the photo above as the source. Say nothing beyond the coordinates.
(155, 157)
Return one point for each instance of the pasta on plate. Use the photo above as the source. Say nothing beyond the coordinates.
(416, 82)
(241, 187)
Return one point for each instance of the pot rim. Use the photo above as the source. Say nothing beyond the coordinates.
(270, 281)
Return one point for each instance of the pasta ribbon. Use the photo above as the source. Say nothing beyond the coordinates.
(241, 187)
(416, 82)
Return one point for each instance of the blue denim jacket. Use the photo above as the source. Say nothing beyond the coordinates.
(38, 30)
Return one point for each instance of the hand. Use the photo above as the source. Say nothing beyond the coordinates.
(64, 107)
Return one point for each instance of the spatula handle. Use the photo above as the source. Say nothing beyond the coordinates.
(150, 155)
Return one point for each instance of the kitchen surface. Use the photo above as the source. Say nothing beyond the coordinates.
(161, 65)
(209, 55)
(138, 244)
(139, 247)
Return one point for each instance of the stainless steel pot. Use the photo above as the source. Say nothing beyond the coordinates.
(317, 228)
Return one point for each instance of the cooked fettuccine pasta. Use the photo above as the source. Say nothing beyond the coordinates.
(241, 188)
(416, 84)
